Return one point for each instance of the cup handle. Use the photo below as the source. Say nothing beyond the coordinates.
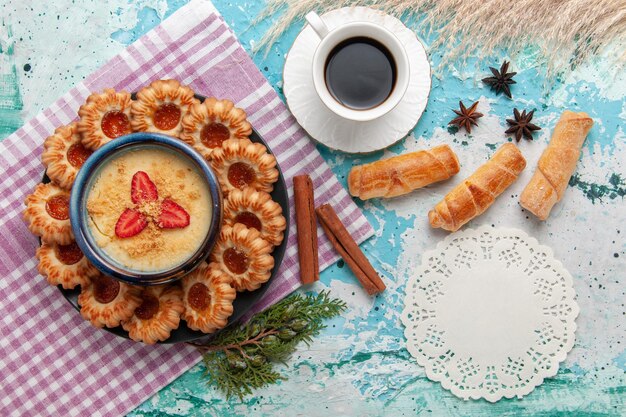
(317, 24)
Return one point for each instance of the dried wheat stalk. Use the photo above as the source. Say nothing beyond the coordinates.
(567, 32)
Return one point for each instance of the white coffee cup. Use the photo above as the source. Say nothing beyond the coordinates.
(331, 38)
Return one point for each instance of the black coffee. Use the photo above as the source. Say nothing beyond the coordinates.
(360, 73)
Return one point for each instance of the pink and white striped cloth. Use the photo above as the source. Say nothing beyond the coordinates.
(51, 361)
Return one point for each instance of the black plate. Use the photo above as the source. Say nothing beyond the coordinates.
(245, 300)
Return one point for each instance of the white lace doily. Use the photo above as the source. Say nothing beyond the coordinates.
(490, 313)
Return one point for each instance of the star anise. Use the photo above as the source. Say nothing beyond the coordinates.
(501, 79)
(466, 117)
(521, 125)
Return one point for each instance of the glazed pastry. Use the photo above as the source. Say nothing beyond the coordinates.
(161, 106)
(157, 315)
(207, 125)
(64, 265)
(255, 210)
(402, 174)
(240, 163)
(557, 164)
(476, 193)
(105, 301)
(208, 298)
(64, 154)
(48, 214)
(243, 255)
(104, 117)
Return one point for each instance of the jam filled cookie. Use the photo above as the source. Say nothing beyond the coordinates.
(104, 117)
(105, 301)
(64, 154)
(161, 106)
(208, 298)
(64, 265)
(241, 163)
(48, 214)
(157, 315)
(244, 255)
(209, 124)
(255, 210)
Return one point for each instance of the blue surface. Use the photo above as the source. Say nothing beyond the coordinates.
(359, 366)
(377, 370)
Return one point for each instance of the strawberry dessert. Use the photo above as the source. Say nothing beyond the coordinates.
(149, 209)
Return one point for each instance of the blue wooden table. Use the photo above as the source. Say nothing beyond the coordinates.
(359, 366)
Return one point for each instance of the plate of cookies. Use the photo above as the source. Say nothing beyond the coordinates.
(162, 215)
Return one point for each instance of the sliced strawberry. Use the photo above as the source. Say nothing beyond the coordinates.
(130, 223)
(142, 189)
(172, 215)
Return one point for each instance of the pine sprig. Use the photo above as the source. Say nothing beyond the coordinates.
(241, 359)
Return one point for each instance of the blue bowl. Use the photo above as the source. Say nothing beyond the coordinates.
(79, 217)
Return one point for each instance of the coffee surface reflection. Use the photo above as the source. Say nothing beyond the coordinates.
(360, 73)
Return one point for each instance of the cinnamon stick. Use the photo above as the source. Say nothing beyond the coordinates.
(349, 250)
(369, 286)
(306, 226)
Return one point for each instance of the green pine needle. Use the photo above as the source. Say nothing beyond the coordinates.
(241, 359)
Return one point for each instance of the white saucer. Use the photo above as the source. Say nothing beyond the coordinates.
(345, 135)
